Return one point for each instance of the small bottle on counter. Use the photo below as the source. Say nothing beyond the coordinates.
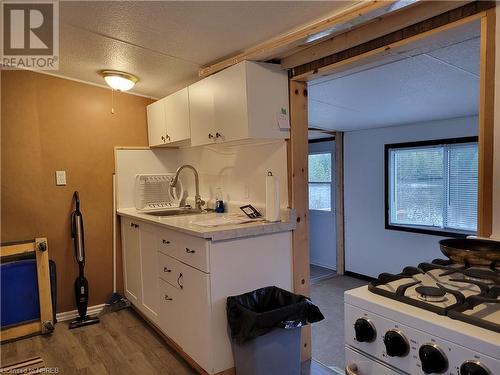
(219, 203)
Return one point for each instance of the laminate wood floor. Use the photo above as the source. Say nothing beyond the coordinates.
(121, 344)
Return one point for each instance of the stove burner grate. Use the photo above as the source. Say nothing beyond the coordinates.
(430, 293)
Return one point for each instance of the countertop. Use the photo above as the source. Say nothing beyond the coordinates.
(184, 224)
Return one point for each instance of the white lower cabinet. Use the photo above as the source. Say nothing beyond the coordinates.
(149, 275)
(140, 259)
(171, 317)
(131, 261)
(181, 282)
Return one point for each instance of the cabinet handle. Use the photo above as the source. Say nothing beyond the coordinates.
(167, 137)
(179, 281)
(136, 225)
(167, 298)
(166, 242)
(210, 136)
(165, 269)
(189, 251)
(163, 138)
(132, 225)
(218, 135)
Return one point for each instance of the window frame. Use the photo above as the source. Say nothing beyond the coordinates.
(387, 186)
(324, 141)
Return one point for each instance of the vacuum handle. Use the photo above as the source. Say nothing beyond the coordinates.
(80, 254)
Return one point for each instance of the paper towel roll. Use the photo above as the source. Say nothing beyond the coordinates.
(272, 198)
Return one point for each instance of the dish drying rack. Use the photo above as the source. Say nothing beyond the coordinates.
(152, 192)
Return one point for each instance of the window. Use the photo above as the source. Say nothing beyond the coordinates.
(320, 181)
(431, 186)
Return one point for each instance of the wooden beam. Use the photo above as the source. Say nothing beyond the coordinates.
(341, 64)
(339, 201)
(284, 43)
(17, 249)
(377, 28)
(382, 46)
(486, 123)
(20, 331)
(300, 198)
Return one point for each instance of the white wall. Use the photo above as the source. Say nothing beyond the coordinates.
(369, 248)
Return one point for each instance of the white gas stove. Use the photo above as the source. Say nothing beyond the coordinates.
(436, 318)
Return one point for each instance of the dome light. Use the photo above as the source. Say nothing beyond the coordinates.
(119, 81)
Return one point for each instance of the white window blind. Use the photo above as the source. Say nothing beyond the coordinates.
(434, 187)
(462, 190)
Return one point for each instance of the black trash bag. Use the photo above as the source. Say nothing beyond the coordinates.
(258, 312)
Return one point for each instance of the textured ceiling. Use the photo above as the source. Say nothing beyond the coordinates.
(419, 85)
(166, 42)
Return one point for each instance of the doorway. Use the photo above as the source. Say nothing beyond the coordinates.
(322, 227)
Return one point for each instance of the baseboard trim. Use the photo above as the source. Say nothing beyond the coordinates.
(359, 276)
(70, 315)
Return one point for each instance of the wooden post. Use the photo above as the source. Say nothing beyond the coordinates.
(297, 169)
(486, 124)
(339, 201)
(44, 293)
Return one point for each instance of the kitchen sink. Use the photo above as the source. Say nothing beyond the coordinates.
(180, 211)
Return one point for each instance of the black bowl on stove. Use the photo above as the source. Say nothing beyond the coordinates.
(471, 251)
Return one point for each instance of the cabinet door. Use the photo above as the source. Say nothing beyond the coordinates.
(171, 319)
(149, 273)
(201, 111)
(230, 103)
(177, 116)
(195, 309)
(131, 261)
(156, 123)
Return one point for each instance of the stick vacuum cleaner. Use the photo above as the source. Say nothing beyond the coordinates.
(81, 283)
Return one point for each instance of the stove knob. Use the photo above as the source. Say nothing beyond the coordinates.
(473, 368)
(433, 359)
(396, 344)
(365, 330)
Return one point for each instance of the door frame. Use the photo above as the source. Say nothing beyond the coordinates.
(334, 186)
(298, 143)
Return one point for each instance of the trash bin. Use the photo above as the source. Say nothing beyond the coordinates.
(265, 330)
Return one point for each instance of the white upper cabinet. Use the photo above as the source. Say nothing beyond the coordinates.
(177, 116)
(168, 120)
(156, 123)
(241, 102)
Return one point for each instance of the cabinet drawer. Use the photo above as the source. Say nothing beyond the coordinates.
(188, 249)
(167, 243)
(169, 270)
(194, 251)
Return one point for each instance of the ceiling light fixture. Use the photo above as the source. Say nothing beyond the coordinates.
(119, 81)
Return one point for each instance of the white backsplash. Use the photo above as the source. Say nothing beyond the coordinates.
(240, 171)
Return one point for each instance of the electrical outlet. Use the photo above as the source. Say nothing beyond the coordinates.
(60, 178)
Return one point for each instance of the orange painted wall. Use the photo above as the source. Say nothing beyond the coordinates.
(50, 124)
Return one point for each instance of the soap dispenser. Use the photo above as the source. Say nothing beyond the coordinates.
(219, 203)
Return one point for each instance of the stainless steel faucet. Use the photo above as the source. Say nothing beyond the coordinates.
(197, 198)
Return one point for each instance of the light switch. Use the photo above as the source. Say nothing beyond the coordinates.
(60, 178)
